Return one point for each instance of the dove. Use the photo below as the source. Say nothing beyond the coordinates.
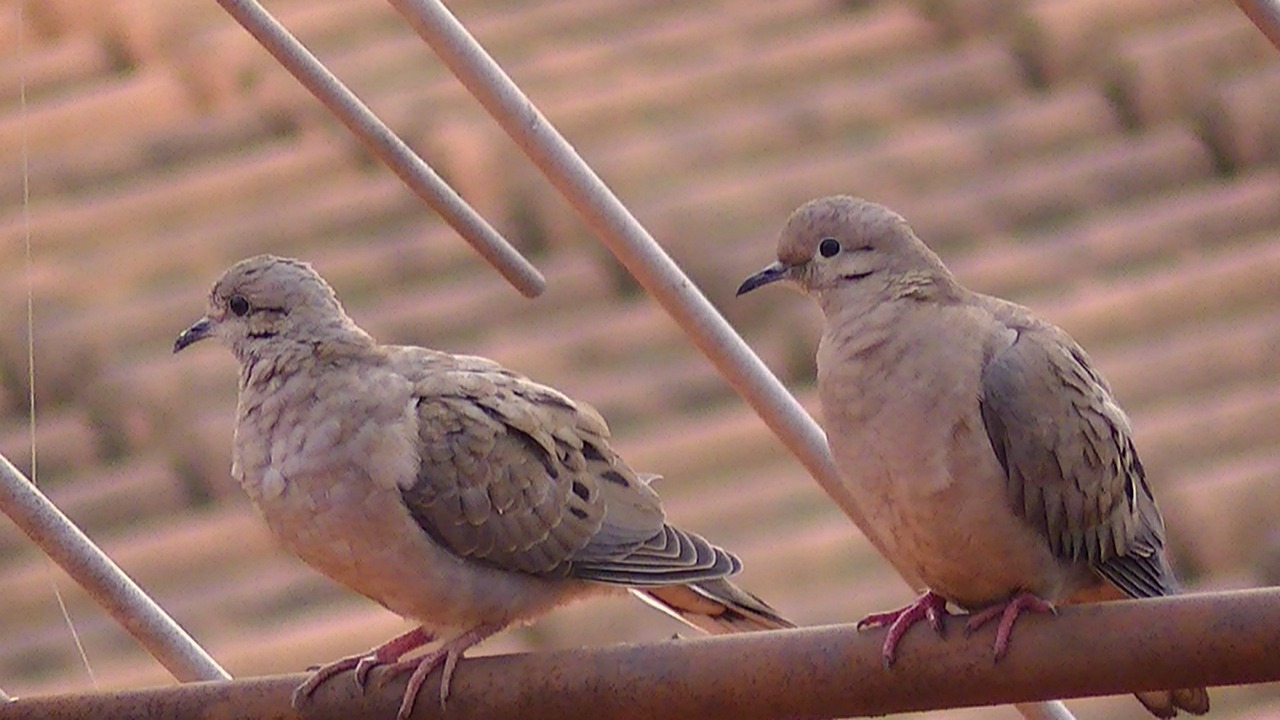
(454, 492)
(988, 456)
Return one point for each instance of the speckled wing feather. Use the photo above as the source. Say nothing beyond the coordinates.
(1069, 460)
(515, 475)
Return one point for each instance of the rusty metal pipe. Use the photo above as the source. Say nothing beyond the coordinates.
(1266, 15)
(825, 672)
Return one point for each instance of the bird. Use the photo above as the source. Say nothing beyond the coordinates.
(453, 491)
(989, 457)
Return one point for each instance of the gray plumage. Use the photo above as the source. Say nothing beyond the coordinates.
(1080, 482)
(449, 489)
(987, 454)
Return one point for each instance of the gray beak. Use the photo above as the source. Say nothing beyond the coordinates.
(202, 329)
(773, 273)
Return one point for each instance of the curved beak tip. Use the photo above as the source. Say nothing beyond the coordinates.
(775, 272)
(198, 331)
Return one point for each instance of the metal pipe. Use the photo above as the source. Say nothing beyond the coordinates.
(826, 672)
(386, 145)
(105, 582)
(1266, 15)
(1053, 710)
(627, 239)
(636, 249)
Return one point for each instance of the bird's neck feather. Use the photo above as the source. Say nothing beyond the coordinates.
(264, 359)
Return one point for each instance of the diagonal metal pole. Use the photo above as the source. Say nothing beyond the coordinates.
(105, 582)
(1266, 15)
(643, 257)
(629, 241)
(386, 145)
(59, 538)
(70, 548)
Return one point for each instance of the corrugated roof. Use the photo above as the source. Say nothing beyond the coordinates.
(1113, 164)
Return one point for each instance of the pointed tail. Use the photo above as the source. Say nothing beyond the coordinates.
(1167, 703)
(715, 606)
(1161, 703)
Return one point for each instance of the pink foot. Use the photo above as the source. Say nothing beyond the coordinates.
(447, 654)
(929, 606)
(386, 653)
(1008, 612)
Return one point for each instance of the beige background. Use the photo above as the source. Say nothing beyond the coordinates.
(1112, 164)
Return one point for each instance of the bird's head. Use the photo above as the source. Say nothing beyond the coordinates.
(265, 301)
(850, 247)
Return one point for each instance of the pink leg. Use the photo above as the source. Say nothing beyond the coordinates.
(447, 654)
(388, 652)
(929, 606)
(1008, 612)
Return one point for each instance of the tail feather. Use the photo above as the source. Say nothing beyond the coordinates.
(1161, 703)
(715, 606)
(1167, 703)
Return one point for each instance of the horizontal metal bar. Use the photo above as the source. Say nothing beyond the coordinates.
(826, 672)
(643, 257)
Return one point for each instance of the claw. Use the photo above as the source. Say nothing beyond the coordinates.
(320, 676)
(387, 656)
(929, 606)
(448, 654)
(363, 668)
(1008, 612)
(385, 653)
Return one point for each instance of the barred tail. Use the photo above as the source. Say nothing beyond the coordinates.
(714, 606)
(1167, 703)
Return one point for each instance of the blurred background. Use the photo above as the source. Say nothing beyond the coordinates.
(1114, 164)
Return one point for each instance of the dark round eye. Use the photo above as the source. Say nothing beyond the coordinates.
(829, 247)
(238, 305)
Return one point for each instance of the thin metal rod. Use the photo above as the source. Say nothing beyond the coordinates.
(386, 145)
(634, 247)
(1044, 711)
(1266, 15)
(826, 672)
(627, 239)
(105, 582)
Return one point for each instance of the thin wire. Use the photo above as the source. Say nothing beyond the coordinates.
(62, 542)
(75, 634)
(102, 579)
(31, 323)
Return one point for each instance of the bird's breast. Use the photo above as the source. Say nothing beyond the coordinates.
(904, 423)
(325, 469)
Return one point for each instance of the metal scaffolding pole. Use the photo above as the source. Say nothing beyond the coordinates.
(629, 241)
(1197, 640)
(643, 257)
(105, 582)
(826, 672)
(386, 145)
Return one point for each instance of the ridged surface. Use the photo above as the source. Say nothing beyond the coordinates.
(1113, 165)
